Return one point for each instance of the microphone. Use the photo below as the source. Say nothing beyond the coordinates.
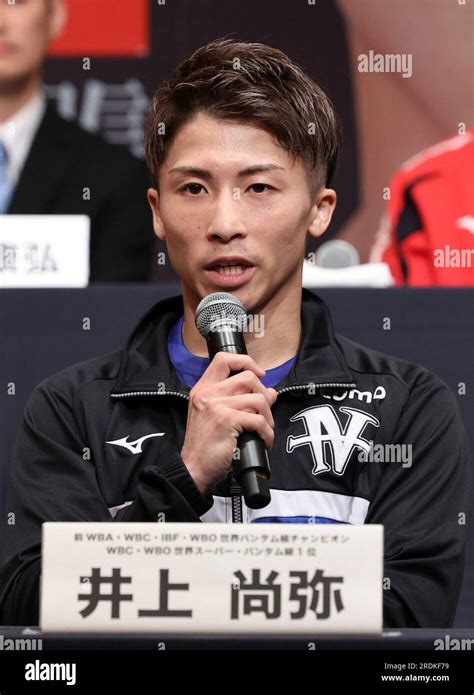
(337, 253)
(220, 319)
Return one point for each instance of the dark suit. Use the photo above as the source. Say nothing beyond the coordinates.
(64, 160)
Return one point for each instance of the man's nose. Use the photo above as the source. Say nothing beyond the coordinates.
(226, 220)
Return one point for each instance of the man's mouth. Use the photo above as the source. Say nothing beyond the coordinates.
(229, 265)
(230, 270)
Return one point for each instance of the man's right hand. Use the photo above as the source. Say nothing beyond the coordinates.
(221, 407)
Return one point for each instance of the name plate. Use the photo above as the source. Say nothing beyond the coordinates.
(44, 250)
(211, 578)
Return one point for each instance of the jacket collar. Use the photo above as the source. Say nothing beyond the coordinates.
(145, 367)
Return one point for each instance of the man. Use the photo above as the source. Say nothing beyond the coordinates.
(243, 167)
(49, 165)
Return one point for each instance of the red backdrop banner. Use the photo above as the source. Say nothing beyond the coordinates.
(105, 28)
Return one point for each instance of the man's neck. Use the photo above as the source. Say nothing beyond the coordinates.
(273, 335)
(13, 100)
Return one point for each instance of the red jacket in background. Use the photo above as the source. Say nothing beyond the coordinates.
(427, 237)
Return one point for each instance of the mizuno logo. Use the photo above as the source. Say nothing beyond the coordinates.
(136, 446)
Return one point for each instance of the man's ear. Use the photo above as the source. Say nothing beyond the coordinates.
(153, 200)
(321, 212)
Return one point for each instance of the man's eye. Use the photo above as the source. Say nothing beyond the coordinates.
(191, 187)
(195, 188)
(260, 186)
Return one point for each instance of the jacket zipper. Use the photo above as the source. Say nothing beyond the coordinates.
(236, 498)
(186, 397)
(316, 386)
(235, 489)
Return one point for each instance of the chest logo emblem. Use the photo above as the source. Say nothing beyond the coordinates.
(332, 443)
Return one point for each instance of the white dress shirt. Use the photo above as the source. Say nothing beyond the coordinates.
(17, 134)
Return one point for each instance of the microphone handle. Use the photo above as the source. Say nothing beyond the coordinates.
(252, 468)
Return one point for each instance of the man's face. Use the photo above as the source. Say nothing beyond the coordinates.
(228, 228)
(26, 27)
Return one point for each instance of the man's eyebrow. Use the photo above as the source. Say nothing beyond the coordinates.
(205, 174)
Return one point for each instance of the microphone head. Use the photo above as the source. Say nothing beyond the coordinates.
(219, 309)
(337, 253)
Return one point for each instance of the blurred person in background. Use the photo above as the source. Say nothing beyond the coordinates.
(427, 236)
(49, 165)
(400, 114)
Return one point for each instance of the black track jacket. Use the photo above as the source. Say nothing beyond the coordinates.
(101, 440)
